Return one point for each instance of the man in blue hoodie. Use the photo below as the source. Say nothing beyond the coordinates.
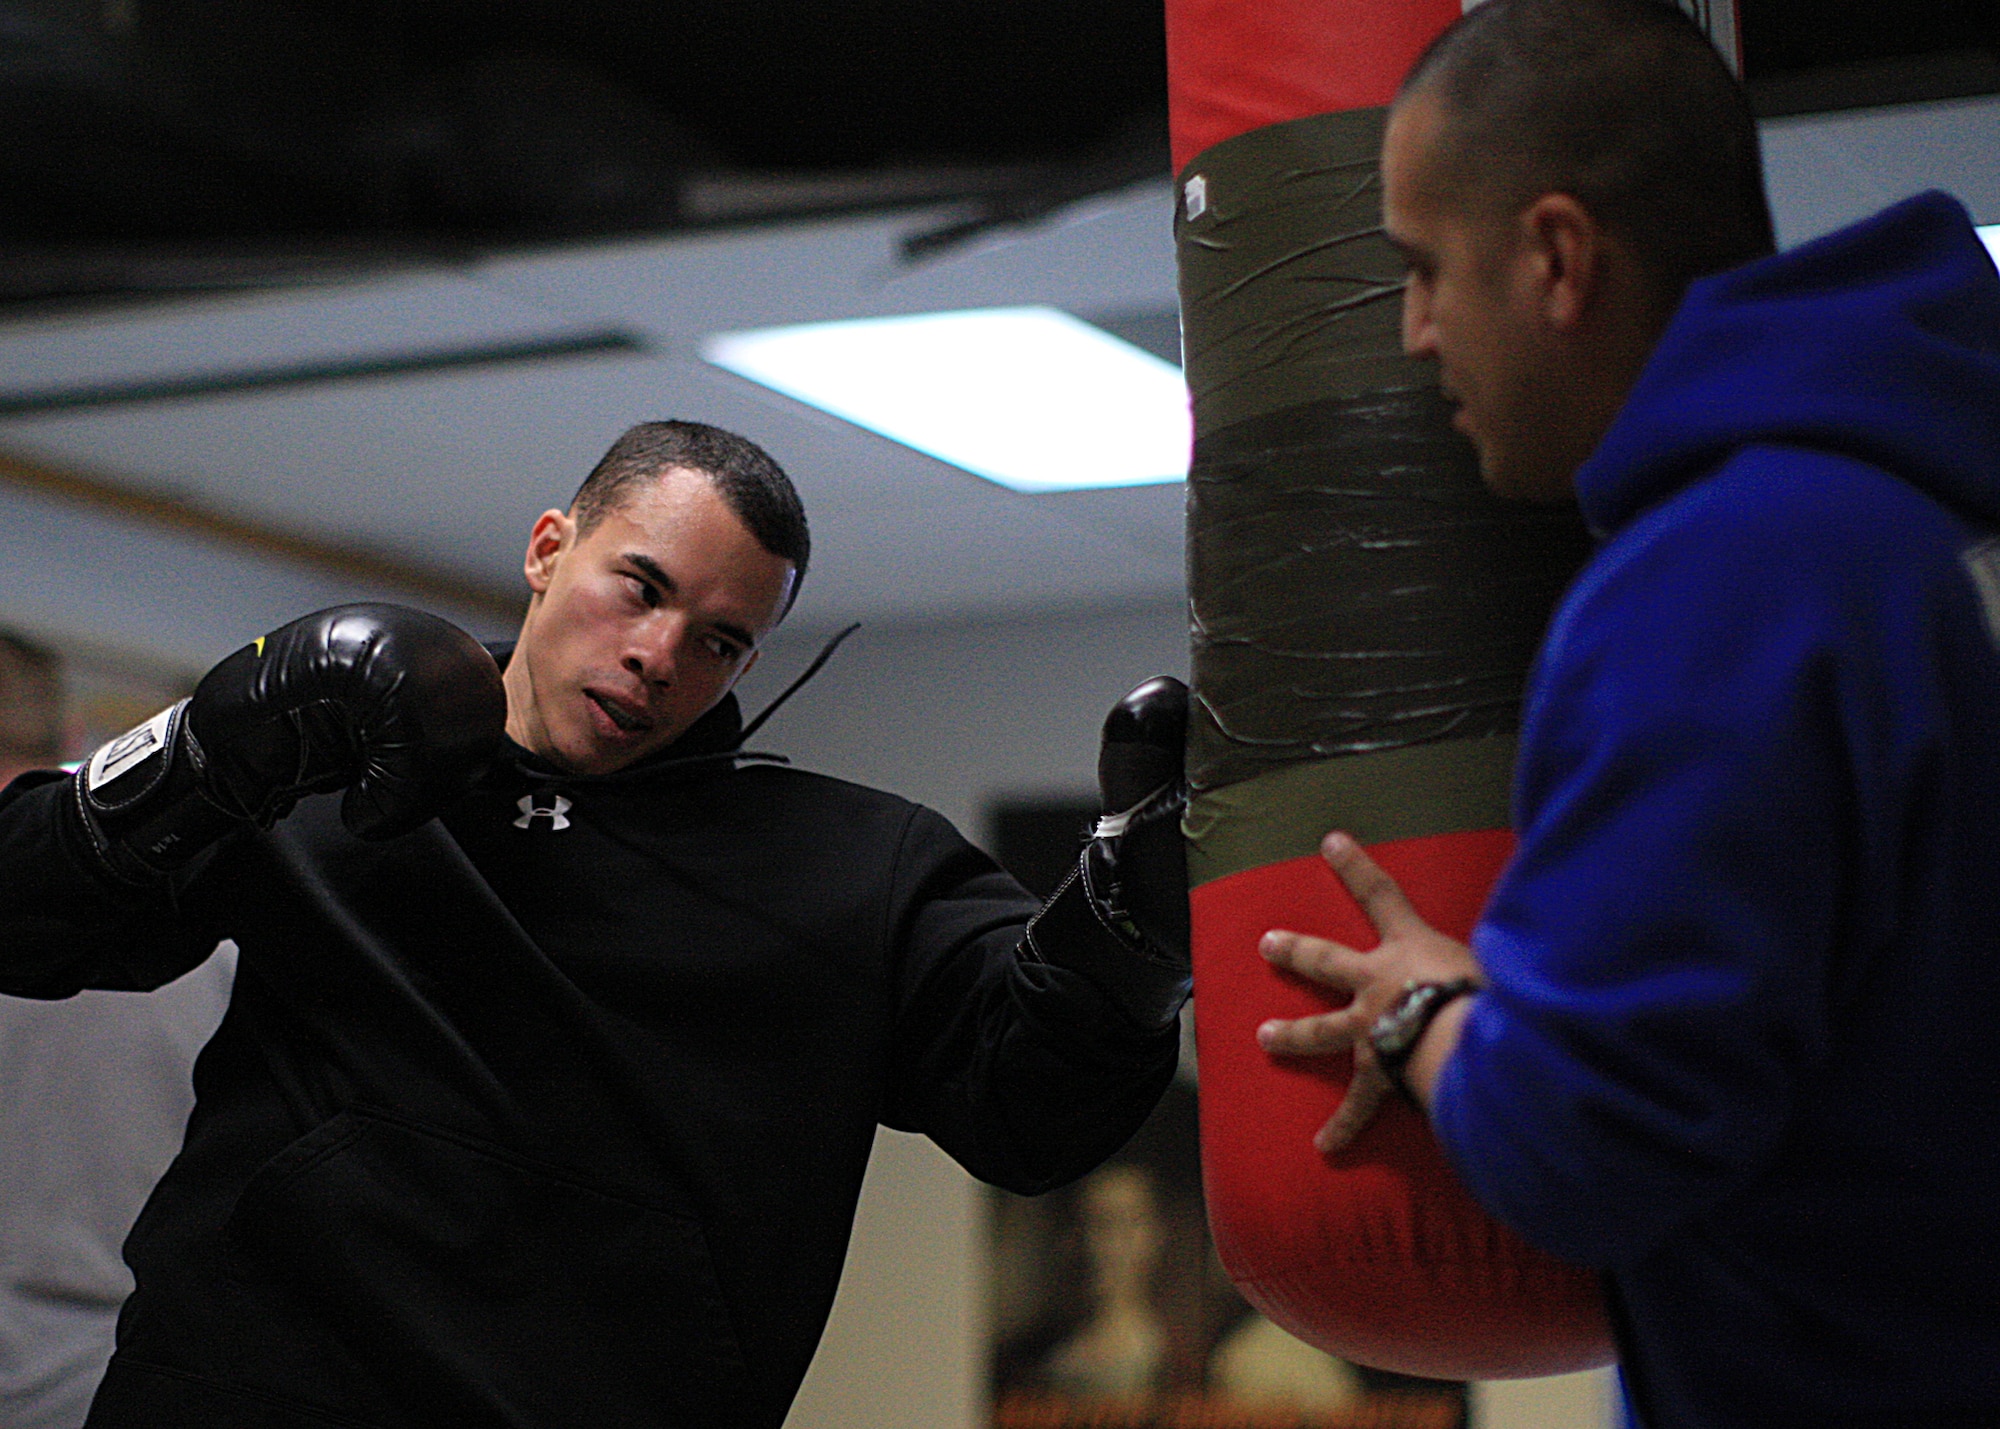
(1727, 1028)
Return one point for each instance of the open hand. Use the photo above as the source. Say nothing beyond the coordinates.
(1410, 950)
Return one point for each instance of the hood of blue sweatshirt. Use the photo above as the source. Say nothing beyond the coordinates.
(1880, 341)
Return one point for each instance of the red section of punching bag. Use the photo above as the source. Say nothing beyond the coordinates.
(1377, 1253)
(1234, 66)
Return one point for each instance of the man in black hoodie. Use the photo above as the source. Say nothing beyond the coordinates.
(553, 1108)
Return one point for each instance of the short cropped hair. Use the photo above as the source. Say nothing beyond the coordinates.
(754, 486)
(1625, 105)
(31, 725)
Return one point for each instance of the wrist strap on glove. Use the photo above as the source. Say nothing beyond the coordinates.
(141, 804)
(1135, 870)
(1088, 927)
(1121, 917)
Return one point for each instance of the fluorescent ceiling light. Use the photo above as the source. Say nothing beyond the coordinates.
(1029, 397)
(1991, 235)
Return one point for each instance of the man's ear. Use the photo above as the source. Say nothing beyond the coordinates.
(554, 533)
(1566, 249)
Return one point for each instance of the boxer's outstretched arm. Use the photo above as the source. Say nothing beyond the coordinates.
(1032, 1054)
(398, 708)
(1027, 1073)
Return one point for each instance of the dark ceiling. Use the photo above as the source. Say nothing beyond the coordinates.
(1805, 55)
(148, 140)
(197, 118)
(156, 144)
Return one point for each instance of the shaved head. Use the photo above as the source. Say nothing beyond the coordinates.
(1622, 104)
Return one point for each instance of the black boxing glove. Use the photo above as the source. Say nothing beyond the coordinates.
(1130, 881)
(401, 709)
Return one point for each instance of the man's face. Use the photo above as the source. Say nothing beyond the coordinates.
(1469, 303)
(638, 628)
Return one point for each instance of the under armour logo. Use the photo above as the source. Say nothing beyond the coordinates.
(558, 816)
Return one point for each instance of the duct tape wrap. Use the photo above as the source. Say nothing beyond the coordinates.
(1364, 614)
(1354, 585)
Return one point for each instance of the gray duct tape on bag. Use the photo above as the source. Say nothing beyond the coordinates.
(1353, 586)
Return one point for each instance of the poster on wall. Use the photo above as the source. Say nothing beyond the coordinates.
(1107, 1306)
(1108, 1309)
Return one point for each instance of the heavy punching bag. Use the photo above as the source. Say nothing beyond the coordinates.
(1363, 614)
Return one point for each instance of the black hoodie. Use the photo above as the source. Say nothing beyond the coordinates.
(555, 1112)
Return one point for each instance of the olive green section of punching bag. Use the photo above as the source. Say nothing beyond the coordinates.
(1445, 787)
(1355, 592)
(1290, 295)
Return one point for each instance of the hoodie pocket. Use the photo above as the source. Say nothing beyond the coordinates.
(483, 1289)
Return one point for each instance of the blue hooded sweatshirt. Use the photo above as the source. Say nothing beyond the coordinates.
(1741, 1047)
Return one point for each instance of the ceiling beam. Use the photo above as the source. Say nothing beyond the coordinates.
(312, 374)
(257, 539)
